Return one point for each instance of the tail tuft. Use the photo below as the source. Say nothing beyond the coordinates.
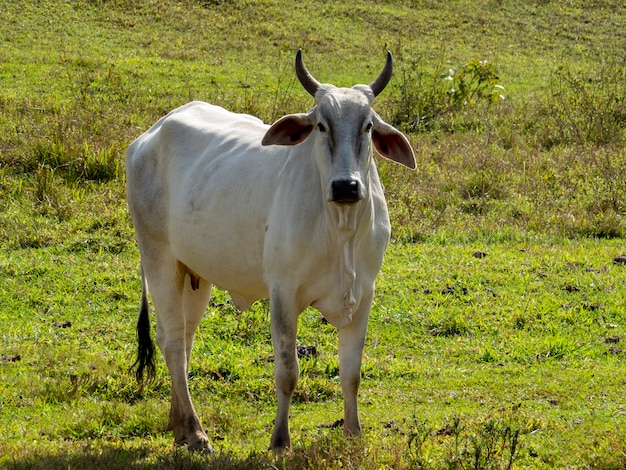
(144, 363)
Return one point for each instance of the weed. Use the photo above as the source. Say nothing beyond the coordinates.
(417, 436)
(428, 99)
(493, 444)
(448, 326)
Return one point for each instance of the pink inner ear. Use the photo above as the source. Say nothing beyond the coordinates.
(394, 146)
(380, 144)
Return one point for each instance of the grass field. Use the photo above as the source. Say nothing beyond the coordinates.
(497, 334)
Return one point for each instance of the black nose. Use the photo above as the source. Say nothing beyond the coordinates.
(345, 191)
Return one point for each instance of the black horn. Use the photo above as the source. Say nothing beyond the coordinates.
(381, 81)
(308, 82)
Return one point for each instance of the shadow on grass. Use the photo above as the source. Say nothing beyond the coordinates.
(115, 457)
(98, 455)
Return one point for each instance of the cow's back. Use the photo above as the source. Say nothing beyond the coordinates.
(200, 183)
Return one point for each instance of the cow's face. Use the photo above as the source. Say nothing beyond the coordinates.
(342, 129)
(344, 126)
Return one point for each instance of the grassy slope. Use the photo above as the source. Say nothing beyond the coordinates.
(517, 339)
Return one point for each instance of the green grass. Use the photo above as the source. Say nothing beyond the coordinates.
(522, 339)
(510, 360)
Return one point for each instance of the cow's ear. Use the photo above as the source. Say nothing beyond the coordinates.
(289, 130)
(392, 144)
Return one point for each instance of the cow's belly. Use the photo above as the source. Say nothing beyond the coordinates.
(223, 258)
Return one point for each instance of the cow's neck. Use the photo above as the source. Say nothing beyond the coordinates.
(345, 220)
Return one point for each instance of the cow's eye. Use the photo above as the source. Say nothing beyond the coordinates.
(321, 127)
(368, 128)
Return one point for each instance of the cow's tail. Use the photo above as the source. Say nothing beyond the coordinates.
(144, 364)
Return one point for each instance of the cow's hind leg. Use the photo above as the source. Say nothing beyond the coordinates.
(166, 280)
(196, 296)
(351, 342)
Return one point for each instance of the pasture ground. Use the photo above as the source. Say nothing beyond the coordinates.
(498, 331)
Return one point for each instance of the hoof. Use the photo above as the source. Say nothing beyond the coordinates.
(279, 450)
(280, 446)
(201, 444)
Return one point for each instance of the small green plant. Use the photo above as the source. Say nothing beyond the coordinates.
(417, 436)
(427, 98)
(495, 446)
(478, 81)
(491, 445)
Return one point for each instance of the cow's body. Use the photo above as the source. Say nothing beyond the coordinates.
(222, 239)
(303, 222)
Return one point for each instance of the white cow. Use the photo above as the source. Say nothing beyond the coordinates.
(294, 212)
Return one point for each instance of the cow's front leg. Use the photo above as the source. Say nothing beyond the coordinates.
(351, 342)
(284, 321)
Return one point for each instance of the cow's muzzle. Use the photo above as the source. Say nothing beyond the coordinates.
(345, 191)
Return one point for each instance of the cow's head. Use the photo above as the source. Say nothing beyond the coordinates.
(344, 126)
